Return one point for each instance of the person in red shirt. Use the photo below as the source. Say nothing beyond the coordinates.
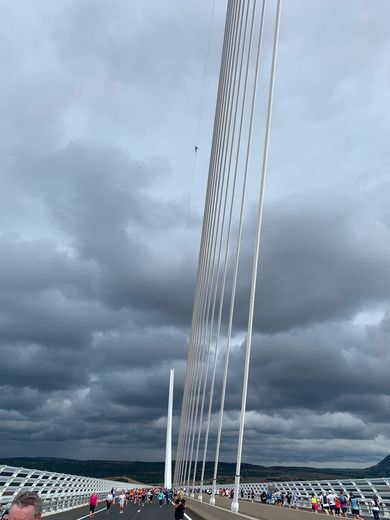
(93, 500)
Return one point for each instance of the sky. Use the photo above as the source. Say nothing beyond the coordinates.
(101, 202)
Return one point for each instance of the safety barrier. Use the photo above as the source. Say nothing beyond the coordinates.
(59, 491)
(362, 489)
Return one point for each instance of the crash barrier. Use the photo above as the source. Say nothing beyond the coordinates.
(362, 489)
(59, 491)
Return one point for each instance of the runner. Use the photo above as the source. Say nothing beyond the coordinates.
(121, 498)
(338, 505)
(161, 497)
(325, 504)
(331, 500)
(343, 503)
(93, 500)
(355, 507)
(314, 503)
(180, 506)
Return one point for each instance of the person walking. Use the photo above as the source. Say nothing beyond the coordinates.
(93, 500)
(109, 500)
(375, 507)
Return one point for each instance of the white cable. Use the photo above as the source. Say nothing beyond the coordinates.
(234, 505)
(227, 144)
(220, 175)
(238, 247)
(223, 284)
(210, 191)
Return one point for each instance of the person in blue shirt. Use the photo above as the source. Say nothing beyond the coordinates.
(355, 510)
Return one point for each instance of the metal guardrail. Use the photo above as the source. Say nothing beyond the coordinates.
(59, 491)
(362, 489)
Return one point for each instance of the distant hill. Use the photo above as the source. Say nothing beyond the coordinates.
(382, 469)
(153, 472)
(147, 472)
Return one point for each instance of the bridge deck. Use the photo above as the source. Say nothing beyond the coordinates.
(131, 512)
(252, 510)
(195, 511)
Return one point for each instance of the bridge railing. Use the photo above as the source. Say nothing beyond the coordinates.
(59, 491)
(362, 489)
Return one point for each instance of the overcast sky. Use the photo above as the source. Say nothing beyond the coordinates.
(101, 104)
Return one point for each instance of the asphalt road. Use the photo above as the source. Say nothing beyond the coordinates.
(131, 512)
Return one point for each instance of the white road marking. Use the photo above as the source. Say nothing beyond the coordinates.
(86, 516)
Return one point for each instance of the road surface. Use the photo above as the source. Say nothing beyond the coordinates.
(131, 512)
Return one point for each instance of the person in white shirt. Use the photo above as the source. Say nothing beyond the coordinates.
(109, 499)
(375, 507)
(122, 498)
(331, 499)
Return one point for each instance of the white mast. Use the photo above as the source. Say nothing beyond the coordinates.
(168, 449)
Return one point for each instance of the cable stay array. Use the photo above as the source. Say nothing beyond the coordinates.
(237, 168)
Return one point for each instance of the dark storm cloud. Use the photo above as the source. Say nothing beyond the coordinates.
(325, 257)
(99, 237)
(326, 384)
(108, 219)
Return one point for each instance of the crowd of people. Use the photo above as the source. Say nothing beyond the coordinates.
(139, 497)
(329, 503)
(28, 505)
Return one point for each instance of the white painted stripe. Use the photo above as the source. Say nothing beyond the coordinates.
(96, 512)
(185, 514)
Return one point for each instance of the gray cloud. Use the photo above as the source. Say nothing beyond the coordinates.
(100, 213)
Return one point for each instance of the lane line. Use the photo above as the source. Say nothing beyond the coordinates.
(96, 512)
(185, 514)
